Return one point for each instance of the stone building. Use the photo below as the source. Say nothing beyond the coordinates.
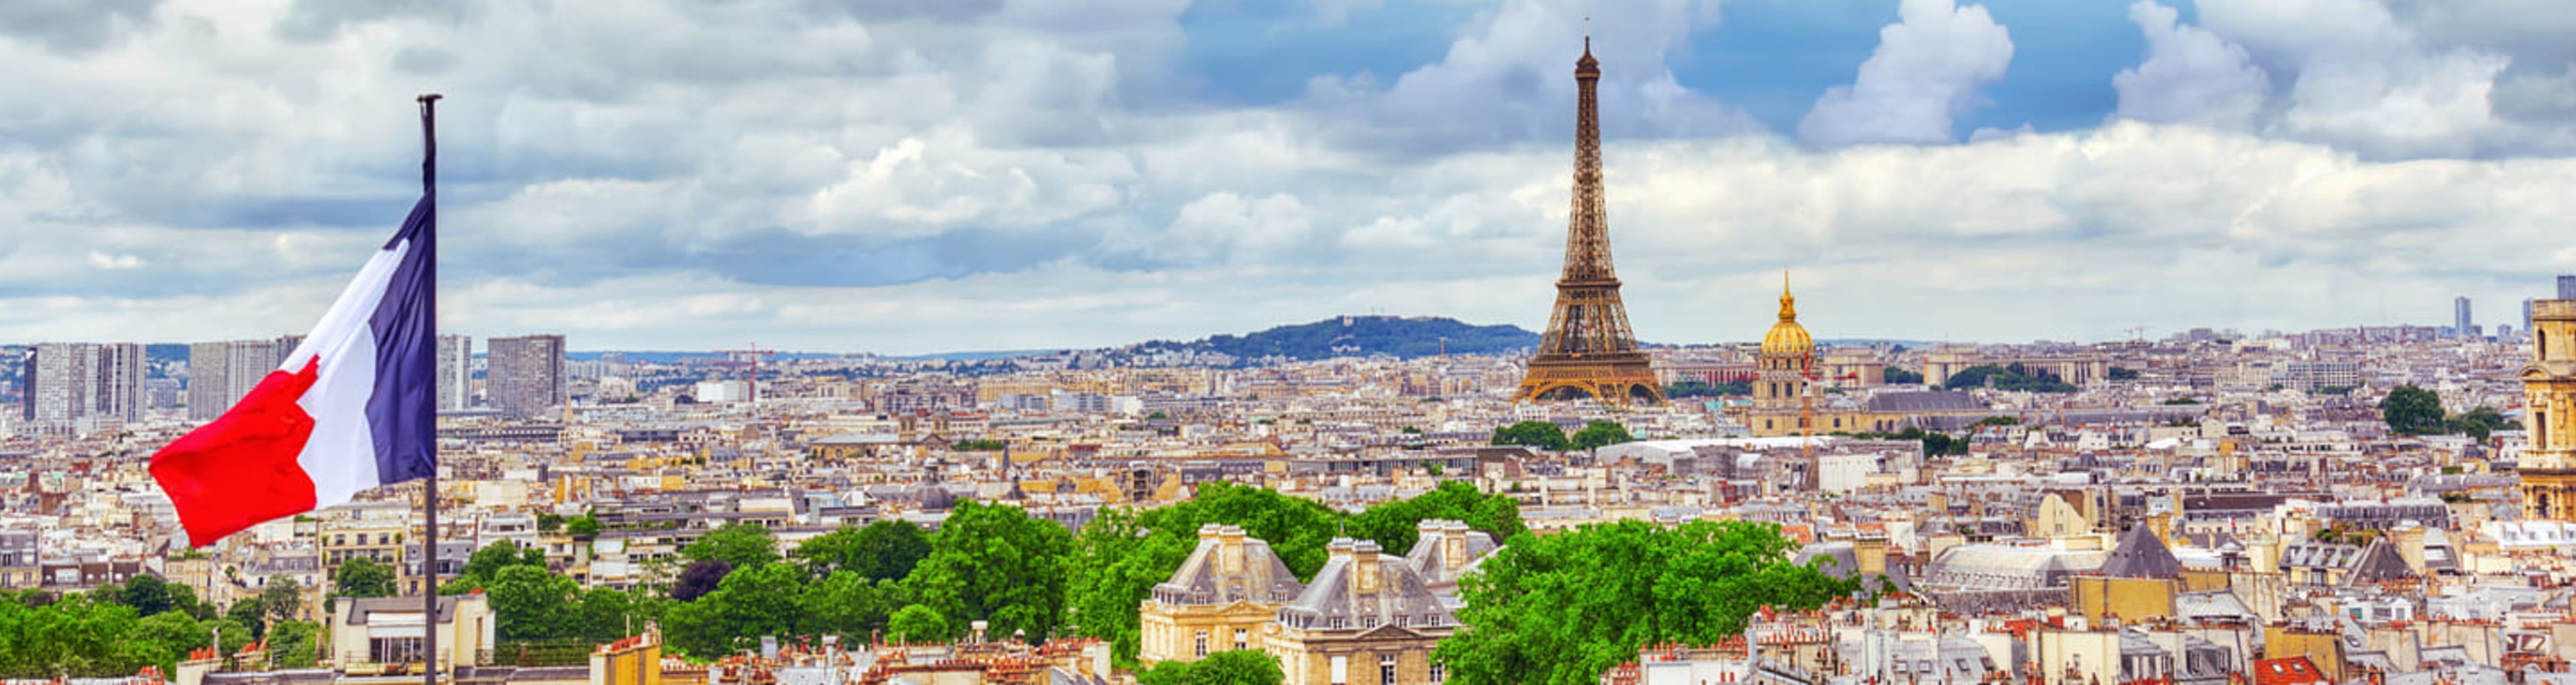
(1221, 599)
(1367, 619)
(2548, 467)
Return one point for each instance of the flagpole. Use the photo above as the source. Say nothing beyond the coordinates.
(429, 485)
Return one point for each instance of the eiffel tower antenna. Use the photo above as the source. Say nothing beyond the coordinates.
(1588, 350)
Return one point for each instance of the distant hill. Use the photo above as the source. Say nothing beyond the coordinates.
(1406, 337)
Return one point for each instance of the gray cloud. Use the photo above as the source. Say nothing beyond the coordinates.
(73, 25)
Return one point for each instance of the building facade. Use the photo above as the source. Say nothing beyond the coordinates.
(1368, 619)
(1231, 587)
(524, 376)
(2548, 466)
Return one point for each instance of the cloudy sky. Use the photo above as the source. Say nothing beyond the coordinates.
(908, 176)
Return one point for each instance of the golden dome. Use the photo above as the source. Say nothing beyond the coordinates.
(1787, 337)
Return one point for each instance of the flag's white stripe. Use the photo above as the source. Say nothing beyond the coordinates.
(341, 455)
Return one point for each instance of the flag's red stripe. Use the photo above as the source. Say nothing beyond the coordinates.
(240, 470)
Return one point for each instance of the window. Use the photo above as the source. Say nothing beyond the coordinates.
(1202, 643)
(1439, 672)
(1242, 639)
(1386, 669)
(1341, 670)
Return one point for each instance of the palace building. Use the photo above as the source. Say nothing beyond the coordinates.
(1220, 600)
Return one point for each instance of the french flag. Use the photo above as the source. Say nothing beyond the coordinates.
(355, 407)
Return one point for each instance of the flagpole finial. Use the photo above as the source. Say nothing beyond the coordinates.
(430, 97)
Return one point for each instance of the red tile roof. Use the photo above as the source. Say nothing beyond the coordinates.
(2297, 670)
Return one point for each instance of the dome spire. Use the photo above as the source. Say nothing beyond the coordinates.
(1788, 304)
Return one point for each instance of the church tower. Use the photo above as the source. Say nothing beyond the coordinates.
(2548, 465)
(1787, 359)
(1588, 350)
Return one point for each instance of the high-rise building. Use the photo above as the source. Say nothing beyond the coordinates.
(524, 376)
(2548, 466)
(2567, 287)
(210, 367)
(2461, 324)
(221, 373)
(119, 382)
(67, 382)
(455, 372)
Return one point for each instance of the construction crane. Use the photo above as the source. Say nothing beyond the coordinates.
(746, 361)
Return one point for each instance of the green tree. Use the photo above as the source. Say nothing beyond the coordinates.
(294, 644)
(978, 446)
(1599, 434)
(281, 599)
(2411, 410)
(1897, 375)
(849, 604)
(530, 603)
(1124, 552)
(1237, 667)
(1705, 389)
(917, 623)
(487, 563)
(2123, 374)
(994, 563)
(247, 612)
(740, 544)
(752, 602)
(2478, 423)
(74, 635)
(1562, 609)
(583, 527)
(151, 596)
(1539, 434)
(884, 550)
(1397, 525)
(363, 577)
(2013, 377)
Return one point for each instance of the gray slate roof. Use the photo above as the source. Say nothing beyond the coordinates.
(1228, 567)
(1335, 601)
(2140, 554)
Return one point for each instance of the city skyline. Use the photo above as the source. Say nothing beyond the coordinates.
(1016, 175)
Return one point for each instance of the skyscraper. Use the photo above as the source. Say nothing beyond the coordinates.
(220, 373)
(67, 382)
(119, 382)
(210, 366)
(455, 371)
(2567, 287)
(524, 376)
(2461, 324)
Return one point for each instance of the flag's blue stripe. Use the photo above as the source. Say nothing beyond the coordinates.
(403, 411)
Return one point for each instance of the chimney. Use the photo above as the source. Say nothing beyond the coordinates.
(1210, 532)
(1870, 553)
(1453, 543)
(1230, 540)
(1364, 572)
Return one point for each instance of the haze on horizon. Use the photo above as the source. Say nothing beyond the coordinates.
(900, 176)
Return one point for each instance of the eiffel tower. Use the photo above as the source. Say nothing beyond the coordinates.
(1588, 351)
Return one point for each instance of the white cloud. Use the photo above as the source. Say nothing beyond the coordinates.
(2190, 75)
(2362, 79)
(1926, 70)
(936, 176)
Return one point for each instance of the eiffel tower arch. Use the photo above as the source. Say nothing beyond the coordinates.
(1588, 350)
